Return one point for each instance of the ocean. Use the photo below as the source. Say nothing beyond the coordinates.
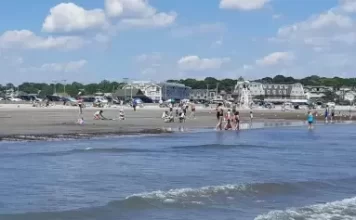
(263, 174)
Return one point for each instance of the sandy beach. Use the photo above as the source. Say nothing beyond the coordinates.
(25, 122)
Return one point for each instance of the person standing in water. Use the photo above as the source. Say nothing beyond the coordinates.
(332, 115)
(220, 116)
(228, 124)
(310, 120)
(237, 120)
(326, 115)
(251, 116)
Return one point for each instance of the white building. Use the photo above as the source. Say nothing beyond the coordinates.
(276, 93)
(161, 91)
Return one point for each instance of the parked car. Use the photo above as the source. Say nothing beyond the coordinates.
(101, 99)
(53, 98)
(70, 101)
(330, 104)
(12, 99)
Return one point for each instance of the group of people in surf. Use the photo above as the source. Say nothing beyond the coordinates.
(231, 119)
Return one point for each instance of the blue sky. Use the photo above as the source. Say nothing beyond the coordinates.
(89, 41)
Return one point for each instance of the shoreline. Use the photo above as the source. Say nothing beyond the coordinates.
(154, 131)
(58, 124)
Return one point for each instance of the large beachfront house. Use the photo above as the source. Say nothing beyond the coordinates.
(277, 93)
(161, 91)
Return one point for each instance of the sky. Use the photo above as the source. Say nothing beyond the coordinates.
(89, 41)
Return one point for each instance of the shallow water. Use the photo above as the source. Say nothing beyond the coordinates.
(275, 173)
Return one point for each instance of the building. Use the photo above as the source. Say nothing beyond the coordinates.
(275, 93)
(128, 94)
(316, 92)
(202, 94)
(161, 91)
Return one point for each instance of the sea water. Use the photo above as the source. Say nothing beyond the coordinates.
(276, 173)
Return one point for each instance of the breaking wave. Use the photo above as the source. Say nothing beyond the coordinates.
(209, 196)
(343, 210)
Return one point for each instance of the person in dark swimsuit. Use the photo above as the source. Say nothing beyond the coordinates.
(237, 120)
(220, 116)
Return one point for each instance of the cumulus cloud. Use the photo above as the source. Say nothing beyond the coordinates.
(25, 39)
(69, 17)
(138, 13)
(161, 19)
(195, 63)
(275, 58)
(321, 30)
(141, 8)
(244, 5)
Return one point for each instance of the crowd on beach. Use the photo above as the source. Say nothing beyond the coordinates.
(228, 117)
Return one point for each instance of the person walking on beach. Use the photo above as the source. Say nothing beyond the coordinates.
(310, 120)
(80, 105)
(134, 104)
(220, 116)
(192, 107)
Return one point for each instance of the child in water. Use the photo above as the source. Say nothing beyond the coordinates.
(310, 120)
(228, 118)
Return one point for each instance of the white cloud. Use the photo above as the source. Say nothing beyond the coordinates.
(69, 17)
(161, 19)
(348, 5)
(196, 63)
(245, 5)
(138, 13)
(25, 39)
(141, 8)
(68, 67)
(316, 23)
(275, 58)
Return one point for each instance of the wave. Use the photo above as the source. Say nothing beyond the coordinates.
(344, 209)
(219, 146)
(191, 198)
(90, 150)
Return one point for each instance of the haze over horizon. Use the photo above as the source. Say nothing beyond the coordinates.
(159, 40)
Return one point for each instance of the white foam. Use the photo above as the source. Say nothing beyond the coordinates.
(344, 209)
(190, 195)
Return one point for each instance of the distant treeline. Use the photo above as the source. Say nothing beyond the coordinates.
(228, 85)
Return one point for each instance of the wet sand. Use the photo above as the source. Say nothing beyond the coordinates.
(46, 123)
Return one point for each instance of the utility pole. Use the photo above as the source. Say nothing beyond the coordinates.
(131, 90)
(125, 87)
(54, 86)
(207, 92)
(64, 86)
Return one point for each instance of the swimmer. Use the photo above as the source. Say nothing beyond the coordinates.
(310, 120)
